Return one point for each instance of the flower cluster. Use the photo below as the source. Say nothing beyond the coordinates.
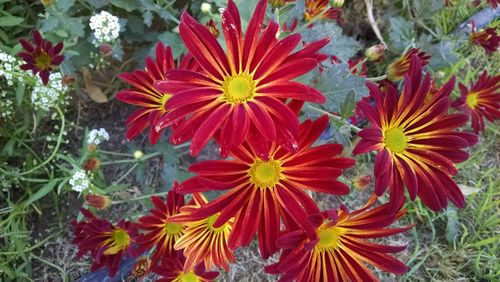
(46, 96)
(79, 181)
(8, 66)
(246, 99)
(96, 136)
(106, 28)
(6, 105)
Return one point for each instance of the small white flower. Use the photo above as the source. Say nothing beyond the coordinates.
(96, 136)
(105, 26)
(47, 96)
(8, 65)
(6, 105)
(80, 181)
(206, 8)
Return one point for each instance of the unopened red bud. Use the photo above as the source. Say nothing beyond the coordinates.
(91, 164)
(141, 267)
(99, 202)
(68, 80)
(361, 181)
(105, 50)
(375, 52)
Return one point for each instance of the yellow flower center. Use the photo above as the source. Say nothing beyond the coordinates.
(238, 88)
(265, 174)
(395, 140)
(117, 242)
(43, 61)
(471, 100)
(329, 237)
(211, 220)
(188, 277)
(172, 228)
(164, 99)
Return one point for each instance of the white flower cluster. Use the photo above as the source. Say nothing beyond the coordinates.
(97, 136)
(47, 96)
(6, 105)
(8, 65)
(105, 26)
(79, 181)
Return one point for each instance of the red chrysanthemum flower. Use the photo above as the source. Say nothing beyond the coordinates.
(41, 57)
(398, 69)
(241, 91)
(494, 3)
(262, 190)
(340, 250)
(417, 142)
(158, 231)
(482, 100)
(107, 243)
(173, 270)
(143, 93)
(487, 38)
(202, 242)
(315, 7)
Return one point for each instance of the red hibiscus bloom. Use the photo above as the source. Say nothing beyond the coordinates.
(41, 56)
(417, 142)
(240, 92)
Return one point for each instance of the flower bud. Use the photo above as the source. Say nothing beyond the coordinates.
(212, 26)
(206, 8)
(105, 50)
(99, 202)
(92, 164)
(92, 147)
(361, 181)
(47, 3)
(337, 3)
(138, 154)
(375, 53)
(68, 80)
(141, 267)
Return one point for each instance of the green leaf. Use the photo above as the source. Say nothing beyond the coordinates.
(453, 225)
(341, 46)
(336, 83)
(402, 33)
(172, 39)
(20, 93)
(42, 192)
(65, 5)
(10, 20)
(127, 5)
(49, 24)
(347, 107)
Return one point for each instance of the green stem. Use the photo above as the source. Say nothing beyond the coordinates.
(138, 198)
(63, 273)
(56, 149)
(146, 157)
(360, 63)
(125, 174)
(116, 153)
(343, 121)
(313, 20)
(378, 78)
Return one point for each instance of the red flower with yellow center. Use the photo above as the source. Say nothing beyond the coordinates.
(202, 241)
(417, 142)
(240, 93)
(398, 69)
(487, 38)
(481, 101)
(315, 7)
(340, 250)
(107, 243)
(158, 231)
(261, 191)
(143, 93)
(41, 57)
(173, 270)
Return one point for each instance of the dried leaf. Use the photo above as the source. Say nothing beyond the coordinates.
(95, 93)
